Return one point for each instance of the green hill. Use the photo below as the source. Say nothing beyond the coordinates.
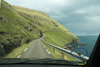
(19, 25)
(55, 32)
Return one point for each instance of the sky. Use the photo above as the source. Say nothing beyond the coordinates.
(81, 17)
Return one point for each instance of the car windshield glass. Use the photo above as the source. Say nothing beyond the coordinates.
(48, 31)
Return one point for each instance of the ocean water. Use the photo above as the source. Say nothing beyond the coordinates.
(90, 41)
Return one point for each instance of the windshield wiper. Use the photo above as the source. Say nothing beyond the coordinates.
(39, 61)
(51, 61)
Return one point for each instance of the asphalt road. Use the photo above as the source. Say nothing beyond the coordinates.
(36, 51)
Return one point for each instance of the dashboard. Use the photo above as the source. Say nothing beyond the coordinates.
(31, 65)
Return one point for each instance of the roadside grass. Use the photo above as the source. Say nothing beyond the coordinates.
(17, 51)
(51, 51)
(59, 38)
(58, 54)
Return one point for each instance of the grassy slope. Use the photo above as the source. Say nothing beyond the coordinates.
(15, 18)
(55, 32)
(59, 38)
(42, 21)
(12, 31)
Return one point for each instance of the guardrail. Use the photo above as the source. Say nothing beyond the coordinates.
(84, 59)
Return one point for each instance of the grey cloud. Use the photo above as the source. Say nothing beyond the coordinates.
(80, 16)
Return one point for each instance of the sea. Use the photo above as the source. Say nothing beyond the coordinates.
(90, 41)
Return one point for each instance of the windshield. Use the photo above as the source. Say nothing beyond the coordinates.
(49, 31)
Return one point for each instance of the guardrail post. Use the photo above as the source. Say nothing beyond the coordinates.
(63, 55)
(54, 50)
(49, 46)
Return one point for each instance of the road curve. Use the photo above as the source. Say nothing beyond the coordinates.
(36, 51)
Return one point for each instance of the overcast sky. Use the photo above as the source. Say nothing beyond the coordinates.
(82, 17)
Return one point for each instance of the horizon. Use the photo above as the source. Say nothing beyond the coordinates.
(88, 35)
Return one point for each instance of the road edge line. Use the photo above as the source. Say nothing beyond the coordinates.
(48, 51)
(19, 56)
(25, 49)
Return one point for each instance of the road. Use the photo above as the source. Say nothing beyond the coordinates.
(36, 51)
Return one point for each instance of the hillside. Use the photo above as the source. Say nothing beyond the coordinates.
(56, 33)
(19, 25)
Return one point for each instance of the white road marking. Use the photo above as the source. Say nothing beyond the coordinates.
(18, 56)
(43, 46)
(30, 44)
(25, 49)
(48, 51)
(42, 43)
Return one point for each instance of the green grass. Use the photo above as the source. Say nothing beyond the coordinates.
(40, 19)
(13, 26)
(59, 38)
(43, 22)
(15, 19)
(17, 51)
(51, 51)
(58, 54)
